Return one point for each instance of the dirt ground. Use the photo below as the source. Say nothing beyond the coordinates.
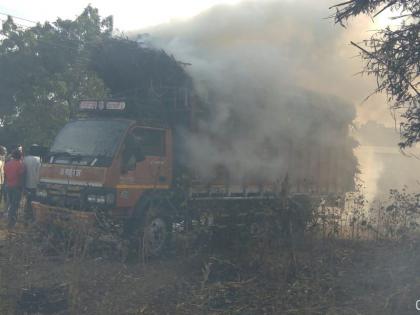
(320, 276)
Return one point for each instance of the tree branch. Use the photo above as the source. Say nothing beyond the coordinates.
(372, 56)
(385, 7)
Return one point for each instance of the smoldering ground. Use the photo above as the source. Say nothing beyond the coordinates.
(269, 72)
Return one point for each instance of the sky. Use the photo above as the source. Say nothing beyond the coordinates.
(128, 14)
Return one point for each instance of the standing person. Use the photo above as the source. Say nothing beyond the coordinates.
(20, 149)
(3, 153)
(32, 163)
(14, 171)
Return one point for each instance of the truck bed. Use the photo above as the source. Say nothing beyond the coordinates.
(318, 171)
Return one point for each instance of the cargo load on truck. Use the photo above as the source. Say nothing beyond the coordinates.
(311, 147)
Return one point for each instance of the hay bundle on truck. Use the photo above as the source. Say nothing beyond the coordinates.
(135, 161)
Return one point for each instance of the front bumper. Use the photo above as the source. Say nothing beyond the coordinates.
(45, 215)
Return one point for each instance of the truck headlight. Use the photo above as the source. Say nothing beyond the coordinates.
(102, 199)
(41, 193)
(91, 198)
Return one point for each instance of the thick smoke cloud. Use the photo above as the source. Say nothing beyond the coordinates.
(267, 64)
(269, 70)
(293, 40)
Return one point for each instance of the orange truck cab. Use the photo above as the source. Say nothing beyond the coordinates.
(102, 163)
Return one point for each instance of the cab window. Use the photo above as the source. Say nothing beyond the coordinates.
(152, 141)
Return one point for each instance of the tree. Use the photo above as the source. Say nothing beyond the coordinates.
(392, 56)
(50, 67)
(47, 72)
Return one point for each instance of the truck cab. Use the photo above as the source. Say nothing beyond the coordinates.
(102, 162)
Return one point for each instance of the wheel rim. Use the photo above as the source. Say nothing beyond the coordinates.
(154, 237)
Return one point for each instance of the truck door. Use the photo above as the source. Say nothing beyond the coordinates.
(145, 159)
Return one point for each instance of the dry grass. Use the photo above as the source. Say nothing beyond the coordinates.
(336, 269)
(324, 276)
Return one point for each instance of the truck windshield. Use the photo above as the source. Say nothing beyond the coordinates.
(93, 138)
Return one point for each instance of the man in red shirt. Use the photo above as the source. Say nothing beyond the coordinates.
(14, 171)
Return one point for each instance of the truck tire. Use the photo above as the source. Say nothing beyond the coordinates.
(155, 232)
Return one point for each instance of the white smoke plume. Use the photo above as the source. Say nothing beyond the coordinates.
(269, 69)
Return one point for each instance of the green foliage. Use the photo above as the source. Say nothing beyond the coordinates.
(47, 72)
(391, 55)
(51, 66)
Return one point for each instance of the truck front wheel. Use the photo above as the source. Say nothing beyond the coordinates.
(156, 232)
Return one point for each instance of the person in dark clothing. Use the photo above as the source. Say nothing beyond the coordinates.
(14, 171)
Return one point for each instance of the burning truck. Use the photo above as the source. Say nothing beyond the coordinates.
(133, 170)
(156, 157)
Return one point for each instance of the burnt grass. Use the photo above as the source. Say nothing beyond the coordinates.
(318, 276)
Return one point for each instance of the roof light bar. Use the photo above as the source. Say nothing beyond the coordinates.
(89, 105)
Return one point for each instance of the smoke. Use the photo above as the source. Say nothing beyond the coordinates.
(384, 167)
(269, 70)
(291, 41)
(372, 170)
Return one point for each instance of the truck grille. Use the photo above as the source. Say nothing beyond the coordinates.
(69, 196)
